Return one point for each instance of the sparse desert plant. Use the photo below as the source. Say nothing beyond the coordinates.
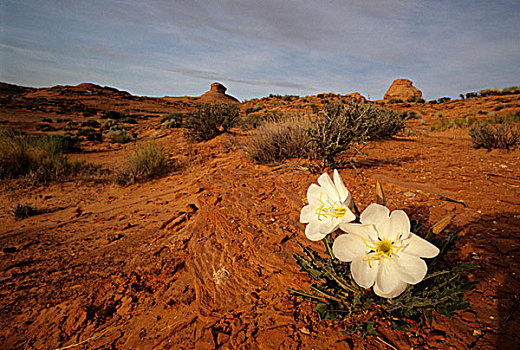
(499, 136)
(211, 120)
(45, 127)
(280, 139)
(395, 100)
(149, 160)
(443, 99)
(91, 123)
(22, 211)
(90, 134)
(118, 134)
(173, 120)
(254, 109)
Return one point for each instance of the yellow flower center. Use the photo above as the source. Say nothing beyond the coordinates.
(383, 249)
(334, 210)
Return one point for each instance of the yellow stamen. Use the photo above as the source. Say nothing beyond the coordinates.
(384, 249)
(335, 210)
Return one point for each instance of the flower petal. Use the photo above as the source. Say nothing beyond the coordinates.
(327, 184)
(363, 273)
(313, 231)
(347, 247)
(379, 216)
(364, 230)
(412, 269)
(348, 217)
(418, 246)
(308, 213)
(399, 225)
(314, 193)
(387, 279)
(344, 194)
(401, 287)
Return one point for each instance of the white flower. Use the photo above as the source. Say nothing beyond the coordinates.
(383, 251)
(327, 208)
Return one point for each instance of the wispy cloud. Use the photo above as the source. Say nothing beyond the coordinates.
(298, 47)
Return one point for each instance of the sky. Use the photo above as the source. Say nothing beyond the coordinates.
(255, 48)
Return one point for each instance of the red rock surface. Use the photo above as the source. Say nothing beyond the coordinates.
(202, 257)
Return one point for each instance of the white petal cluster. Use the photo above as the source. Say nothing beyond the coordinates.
(383, 252)
(328, 207)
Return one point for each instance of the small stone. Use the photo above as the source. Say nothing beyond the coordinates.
(304, 330)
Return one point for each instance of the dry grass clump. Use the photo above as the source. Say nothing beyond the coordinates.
(22, 211)
(38, 158)
(277, 140)
(500, 136)
(149, 160)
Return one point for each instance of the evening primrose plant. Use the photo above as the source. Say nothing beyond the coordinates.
(377, 268)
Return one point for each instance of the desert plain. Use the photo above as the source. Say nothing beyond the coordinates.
(201, 257)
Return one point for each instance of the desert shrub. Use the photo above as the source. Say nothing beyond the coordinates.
(383, 122)
(415, 98)
(91, 134)
(113, 115)
(253, 121)
(37, 158)
(341, 127)
(443, 99)
(91, 123)
(118, 134)
(45, 127)
(149, 160)
(22, 211)
(129, 120)
(280, 139)
(254, 109)
(56, 144)
(47, 120)
(395, 100)
(410, 115)
(211, 120)
(499, 136)
(172, 120)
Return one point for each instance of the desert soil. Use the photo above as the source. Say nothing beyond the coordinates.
(202, 257)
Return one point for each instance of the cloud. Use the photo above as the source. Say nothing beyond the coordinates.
(296, 47)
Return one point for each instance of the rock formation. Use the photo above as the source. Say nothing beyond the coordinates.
(217, 93)
(402, 89)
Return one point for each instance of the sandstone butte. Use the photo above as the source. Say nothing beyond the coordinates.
(402, 89)
(217, 93)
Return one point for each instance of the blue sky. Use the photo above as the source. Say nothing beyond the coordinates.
(255, 48)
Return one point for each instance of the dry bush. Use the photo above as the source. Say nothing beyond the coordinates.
(338, 128)
(211, 120)
(277, 140)
(500, 136)
(341, 127)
